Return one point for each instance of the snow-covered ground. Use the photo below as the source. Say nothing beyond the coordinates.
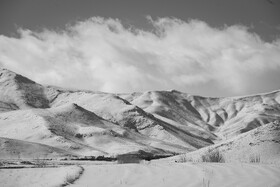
(39, 177)
(180, 175)
(148, 174)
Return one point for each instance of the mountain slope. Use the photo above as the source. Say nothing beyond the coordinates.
(224, 117)
(12, 149)
(120, 111)
(72, 128)
(95, 123)
(262, 142)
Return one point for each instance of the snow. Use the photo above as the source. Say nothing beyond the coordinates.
(38, 177)
(180, 174)
(221, 117)
(157, 173)
(262, 142)
(77, 131)
(51, 122)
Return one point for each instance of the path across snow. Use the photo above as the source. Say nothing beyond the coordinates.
(180, 175)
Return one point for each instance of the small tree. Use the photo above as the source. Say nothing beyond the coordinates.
(213, 156)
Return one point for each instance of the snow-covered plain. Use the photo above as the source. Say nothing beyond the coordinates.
(39, 177)
(148, 174)
(180, 175)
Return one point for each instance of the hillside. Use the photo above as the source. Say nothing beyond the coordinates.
(72, 128)
(221, 117)
(261, 143)
(84, 122)
(15, 149)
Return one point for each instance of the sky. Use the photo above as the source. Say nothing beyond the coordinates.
(210, 48)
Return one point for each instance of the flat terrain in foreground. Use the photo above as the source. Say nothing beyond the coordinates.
(38, 177)
(159, 174)
(180, 174)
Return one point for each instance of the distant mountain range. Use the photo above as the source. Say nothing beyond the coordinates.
(48, 121)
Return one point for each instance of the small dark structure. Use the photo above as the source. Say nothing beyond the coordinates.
(129, 158)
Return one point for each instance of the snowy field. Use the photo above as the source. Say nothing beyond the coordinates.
(35, 177)
(180, 174)
(154, 174)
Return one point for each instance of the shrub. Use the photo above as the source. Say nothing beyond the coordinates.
(183, 158)
(213, 156)
(255, 158)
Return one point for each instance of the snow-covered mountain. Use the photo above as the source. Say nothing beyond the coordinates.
(261, 143)
(223, 117)
(82, 122)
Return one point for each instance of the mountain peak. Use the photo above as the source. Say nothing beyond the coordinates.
(20, 91)
(10, 75)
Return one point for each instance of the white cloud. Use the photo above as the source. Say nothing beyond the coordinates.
(101, 54)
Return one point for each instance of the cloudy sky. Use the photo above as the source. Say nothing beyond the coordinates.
(210, 48)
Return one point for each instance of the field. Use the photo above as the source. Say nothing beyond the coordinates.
(156, 173)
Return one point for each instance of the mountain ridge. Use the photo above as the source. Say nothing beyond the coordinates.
(160, 122)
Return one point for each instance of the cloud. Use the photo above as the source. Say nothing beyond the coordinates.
(102, 54)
